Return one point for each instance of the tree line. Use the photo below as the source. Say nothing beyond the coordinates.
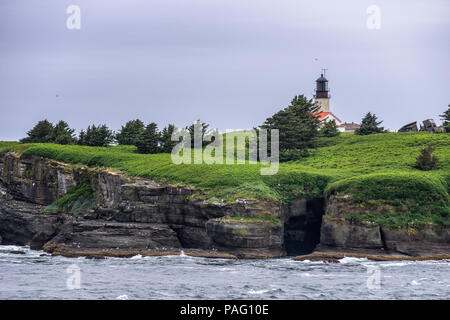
(298, 125)
(147, 138)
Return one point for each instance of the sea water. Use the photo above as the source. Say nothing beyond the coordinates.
(36, 275)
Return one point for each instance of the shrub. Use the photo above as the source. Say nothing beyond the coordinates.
(329, 129)
(293, 154)
(77, 199)
(426, 160)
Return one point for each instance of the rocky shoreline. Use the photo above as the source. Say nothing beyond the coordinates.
(136, 216)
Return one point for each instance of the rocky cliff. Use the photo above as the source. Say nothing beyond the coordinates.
(338, 233)
(131, 214)
(139, 216)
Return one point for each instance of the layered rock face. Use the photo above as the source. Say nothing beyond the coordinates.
(137, 215)
(338, 233)
(133, 213)
(237, 236)
(35, 179)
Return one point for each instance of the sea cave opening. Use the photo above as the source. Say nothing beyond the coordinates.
(303, 220)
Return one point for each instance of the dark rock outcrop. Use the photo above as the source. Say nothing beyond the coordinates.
(132, 213)
(240, 237)
(430, 126)
(427, 240)
(340, 234)
(336, 233)
(410, 127)
(139, 216)
(97, 234)
(21, 223)
(34, 179)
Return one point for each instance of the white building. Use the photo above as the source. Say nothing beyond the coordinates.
(322, 99)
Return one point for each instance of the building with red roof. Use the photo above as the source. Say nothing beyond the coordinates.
(322, 99)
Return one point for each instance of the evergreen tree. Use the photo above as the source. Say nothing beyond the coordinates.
(166, 139)
(82, 138)
(297, 124)
(204, 128)
(41, 132)
(149, 140)
(130, 133)
(446, 119)
(329, 129)
(62, 134)
(369, 125)
(96, 136)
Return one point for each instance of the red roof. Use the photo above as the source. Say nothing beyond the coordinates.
(323, 115)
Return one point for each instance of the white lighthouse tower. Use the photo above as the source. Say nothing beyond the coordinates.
(322, 98)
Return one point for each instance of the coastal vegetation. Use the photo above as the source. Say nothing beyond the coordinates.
(377, 170)
(426, 160)
(369, 125)
(446, 119)
(329, 129)
(393, 179)
(264, 217)
(78, 198)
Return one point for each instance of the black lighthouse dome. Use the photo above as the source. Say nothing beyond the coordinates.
(322, 87)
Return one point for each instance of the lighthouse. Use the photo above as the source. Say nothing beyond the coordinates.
(322, 98)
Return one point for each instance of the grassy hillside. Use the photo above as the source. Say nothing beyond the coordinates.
(369, 168)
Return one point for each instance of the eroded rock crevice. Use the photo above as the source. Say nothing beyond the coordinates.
(303, 219)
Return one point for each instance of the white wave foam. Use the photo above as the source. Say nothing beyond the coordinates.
(122, 297)
(309, 261)
(226, 269)
(13, 248)
(394, 264)
(257, 291)
(415, 283)
(138, 256)
(306, 274)
(352, 260)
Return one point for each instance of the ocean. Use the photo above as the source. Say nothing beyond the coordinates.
(29, 274)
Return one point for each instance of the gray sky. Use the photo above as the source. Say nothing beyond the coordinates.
(232, 63)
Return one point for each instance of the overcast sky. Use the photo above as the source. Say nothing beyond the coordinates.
(231, 63)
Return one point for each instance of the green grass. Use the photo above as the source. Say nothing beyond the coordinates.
(267, 218)
(376, 167)
(78, 198)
